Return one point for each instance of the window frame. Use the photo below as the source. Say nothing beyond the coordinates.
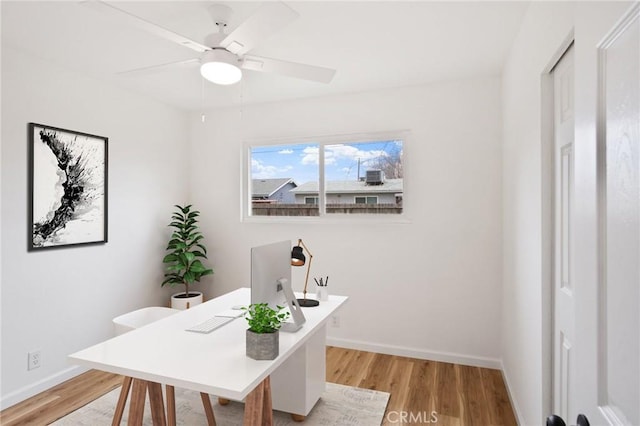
(322, 142)
(315, 203)
(366, 198)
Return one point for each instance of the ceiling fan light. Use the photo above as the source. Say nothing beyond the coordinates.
(220, 67)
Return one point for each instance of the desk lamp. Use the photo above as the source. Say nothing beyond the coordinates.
(298, 259)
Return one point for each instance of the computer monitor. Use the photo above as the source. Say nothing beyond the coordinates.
(271, 280)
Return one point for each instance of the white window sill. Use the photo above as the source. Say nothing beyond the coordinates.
(354, 219)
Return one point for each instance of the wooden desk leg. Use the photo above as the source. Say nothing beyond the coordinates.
(136, 404)
(257, 408)
(223, 401)
(171, 405)
(298, 417)
(208, 409)
(157, 404)
(122, 401)
(267, 405)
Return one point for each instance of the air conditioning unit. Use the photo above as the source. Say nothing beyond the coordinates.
(374, 177)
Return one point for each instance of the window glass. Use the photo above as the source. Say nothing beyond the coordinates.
(364, 177)
(359, 178)
(276, 170)
(311, 200)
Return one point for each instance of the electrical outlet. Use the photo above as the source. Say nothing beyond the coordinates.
(335, 321)
(34, 359)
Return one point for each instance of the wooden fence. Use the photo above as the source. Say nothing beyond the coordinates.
(263, 209)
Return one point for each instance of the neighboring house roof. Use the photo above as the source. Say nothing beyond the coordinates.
(268, 187)
(350, 186)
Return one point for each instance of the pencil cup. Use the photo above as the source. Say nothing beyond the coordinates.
(322, 294)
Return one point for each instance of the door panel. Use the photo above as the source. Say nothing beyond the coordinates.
(620, 278)
(564, 302)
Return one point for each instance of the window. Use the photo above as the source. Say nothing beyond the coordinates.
(366, 200)
(276, 170)
(311, 200)
(333, 177)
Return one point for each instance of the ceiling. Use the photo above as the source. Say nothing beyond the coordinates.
(371, 44)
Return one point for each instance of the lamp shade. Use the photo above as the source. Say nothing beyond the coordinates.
(219, 66)
(297, 256)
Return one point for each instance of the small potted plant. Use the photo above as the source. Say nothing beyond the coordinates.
(184, 264)
(263, 341)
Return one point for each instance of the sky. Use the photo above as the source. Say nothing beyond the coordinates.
(300, 161)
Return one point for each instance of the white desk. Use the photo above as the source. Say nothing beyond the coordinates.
(216, 363)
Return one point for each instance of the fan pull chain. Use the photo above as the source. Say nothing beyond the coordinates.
(202, 117)
(241, 105)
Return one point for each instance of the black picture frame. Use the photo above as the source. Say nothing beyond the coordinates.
(68, 188)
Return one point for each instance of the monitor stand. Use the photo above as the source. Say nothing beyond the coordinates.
(294, 308)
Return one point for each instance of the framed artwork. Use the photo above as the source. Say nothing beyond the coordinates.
(68, 188)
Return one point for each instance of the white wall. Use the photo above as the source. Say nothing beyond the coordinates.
(430, 288)
(1, 261)
(526, 304)
(60, 301)
(522, 302)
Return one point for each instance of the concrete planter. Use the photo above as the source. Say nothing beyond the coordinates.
(264, 346)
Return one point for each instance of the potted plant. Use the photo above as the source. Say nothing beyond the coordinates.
(184, 264)
(263, 342)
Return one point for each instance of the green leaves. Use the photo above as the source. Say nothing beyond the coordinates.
(186, 249)
(172, 279)
(197, 266)
(184, 209)
(263, 319)
(177, 267)
(170, 258)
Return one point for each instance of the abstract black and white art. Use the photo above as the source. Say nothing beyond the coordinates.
(68, 184)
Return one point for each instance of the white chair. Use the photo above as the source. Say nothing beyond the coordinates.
(136, 319)
(141, 317)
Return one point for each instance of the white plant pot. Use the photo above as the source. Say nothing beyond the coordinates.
(178, 301)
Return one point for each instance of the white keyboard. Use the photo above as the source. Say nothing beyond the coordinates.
(209, 325)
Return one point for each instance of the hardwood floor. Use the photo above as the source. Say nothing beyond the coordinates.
(421, 391)
(60, 400)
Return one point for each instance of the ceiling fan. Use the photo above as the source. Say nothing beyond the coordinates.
(224, 56)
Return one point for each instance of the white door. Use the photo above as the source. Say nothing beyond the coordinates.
(610, 393)
(618, 304)
(596, 255)
(563, 286)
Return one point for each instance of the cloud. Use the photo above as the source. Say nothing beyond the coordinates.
(285, 151)
(310, 155)
(261, 171)
(335, 153)
(348, 152)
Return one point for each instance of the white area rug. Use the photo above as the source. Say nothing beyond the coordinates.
(340, 406)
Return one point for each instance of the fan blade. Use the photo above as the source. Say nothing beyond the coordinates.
(162, 67)
(291, 69)
(268, 19)
(144, 25)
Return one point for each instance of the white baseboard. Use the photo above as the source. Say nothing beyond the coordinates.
(28, 391)
(35, 388)
(514, 404)
(473, 361)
